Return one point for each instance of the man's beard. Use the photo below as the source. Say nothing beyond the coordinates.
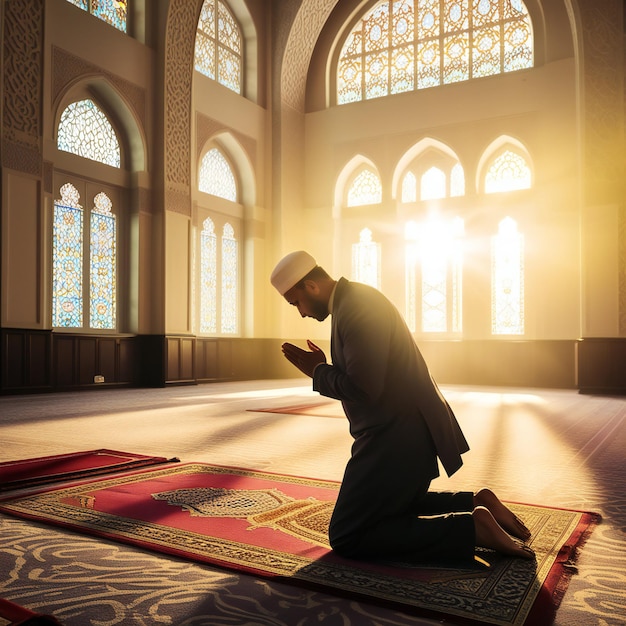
(320, 311)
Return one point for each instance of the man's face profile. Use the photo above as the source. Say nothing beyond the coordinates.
(307, 301)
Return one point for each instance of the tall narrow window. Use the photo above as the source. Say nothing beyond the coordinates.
(365, 189)
(216, 176)
(366, 260)
(434, 265)
(230, 280)
(219, 45)
(219, 280)
(208, 277)
(403, 45)
(507, 284)
(508, 172)
(433, 185)
(84, 247)
(409, 187)
(85, 130)
(112, 12)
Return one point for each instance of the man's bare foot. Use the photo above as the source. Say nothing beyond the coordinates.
(502, 514)
(489, 534)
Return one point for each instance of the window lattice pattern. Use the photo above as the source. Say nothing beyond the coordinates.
(508, 172)
(102, 265)
(85, 130)
(365, 189)
(67, 260)
(112, 12)
(366, 260)
(216, 176)
(208, 278)
(434, 267)
(218, 51)
(507, 284)
(404, 45)
(230, 280)
(70, 294)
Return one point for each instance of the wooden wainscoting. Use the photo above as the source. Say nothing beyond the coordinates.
(601, 365)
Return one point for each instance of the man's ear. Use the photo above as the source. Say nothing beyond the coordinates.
(312, 287)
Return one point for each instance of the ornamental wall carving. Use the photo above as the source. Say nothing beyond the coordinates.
(22, 86)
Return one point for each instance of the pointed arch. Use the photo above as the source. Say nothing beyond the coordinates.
(355, 166)
(502, 149)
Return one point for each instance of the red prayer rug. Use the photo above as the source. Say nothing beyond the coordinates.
(72, 466)
(12, 614)
(276, 526)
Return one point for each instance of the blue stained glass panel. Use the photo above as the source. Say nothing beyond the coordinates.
(102, 271)
(67, 267)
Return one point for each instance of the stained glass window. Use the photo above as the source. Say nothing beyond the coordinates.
(67, 260)
(508, 172)
(71, 294)
(218, 48)
(85, 130)
(208, 277)
(216, 176)
(365, 189)
(102, 276)
(434, 268)
(403, 45)
(230, 280)
(366, 260)
(112, 12)
(507, 283)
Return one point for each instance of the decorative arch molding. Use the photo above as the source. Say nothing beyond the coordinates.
(356, 163)
(120, 112)
(427, 143)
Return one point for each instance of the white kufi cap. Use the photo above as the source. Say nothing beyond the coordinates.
(291, 269)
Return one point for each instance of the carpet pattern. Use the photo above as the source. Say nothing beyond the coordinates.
(272, 525)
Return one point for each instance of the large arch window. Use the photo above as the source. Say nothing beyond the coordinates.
(84, 262)
(113, 12)
(404, 45)
(219, 45)
(365, 189)
(432, 176)
(508, 171)
(216, 176)
(85, 130)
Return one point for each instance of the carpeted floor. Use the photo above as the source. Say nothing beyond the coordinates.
(552, 447)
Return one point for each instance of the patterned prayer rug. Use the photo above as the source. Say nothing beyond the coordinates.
(73, 466)
(275, 526)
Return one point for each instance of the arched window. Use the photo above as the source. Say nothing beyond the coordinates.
(112, 12)
(218, 49)
(434, 268)
(433, 184)
(366, 260)
(427, 181)
(84, 262)
(219, 280)
(85, 130)
(216, 176)
(507, 282)
(365, 189)
(508, 172)
(404, 45)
